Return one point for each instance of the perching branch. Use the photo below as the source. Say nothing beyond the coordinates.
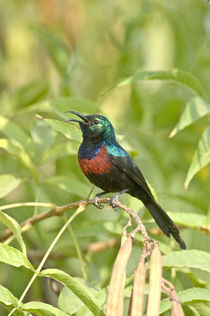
(60, 210)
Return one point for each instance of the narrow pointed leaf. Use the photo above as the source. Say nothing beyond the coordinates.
(60, 150)
(15, 132)
(197, 259)
(20, 153)
(201, 156)
(77, 288)
(187, 296)
(43, 309)
(43, 136)
(69, 184)
(14, 257)
(30, 93)
(6, 297)
(57, 49)
(67, 296)
(8, 183)
(11, 223)
(194, 110)
(182, 77)
(63, 104)
(196, 220)
(68, 130)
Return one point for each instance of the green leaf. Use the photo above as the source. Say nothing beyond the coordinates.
(57, 49)
(77, 288)
(42, 106)
(15, 133)
(66, 129)
(60, 150)
(43, 136)
(8, 183)
(195, 109)
(7, 298)
(67, 296)
(196, 220)
(187, 296)
(201, 156)
(19, 153)
(69, 184)
(63, 104)
(30, 93)
(43, 309)
(200, 308)
(13, 257)
(197, 259)
(176, 75)
(101, 297)
(11, 223)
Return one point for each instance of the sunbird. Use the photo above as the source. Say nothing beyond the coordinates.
(108, 166)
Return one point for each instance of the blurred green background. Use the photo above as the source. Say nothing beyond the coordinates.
(59, 55)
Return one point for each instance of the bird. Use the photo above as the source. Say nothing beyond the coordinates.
(108, 166)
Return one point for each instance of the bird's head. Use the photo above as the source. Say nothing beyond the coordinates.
(94, 127)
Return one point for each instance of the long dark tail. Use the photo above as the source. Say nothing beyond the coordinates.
(165, 222)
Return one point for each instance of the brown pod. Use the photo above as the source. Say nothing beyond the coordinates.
(137, 296)
(115, 300)
(155, 278)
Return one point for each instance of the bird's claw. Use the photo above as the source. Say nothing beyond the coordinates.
(95, 203)
(112, 202)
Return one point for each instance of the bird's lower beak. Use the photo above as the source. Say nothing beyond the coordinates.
(83, 117)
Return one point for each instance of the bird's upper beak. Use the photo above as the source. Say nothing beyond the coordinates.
(83, 117)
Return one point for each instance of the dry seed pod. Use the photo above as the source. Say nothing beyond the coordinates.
(137, 296)
(155, 277)
(115, 299)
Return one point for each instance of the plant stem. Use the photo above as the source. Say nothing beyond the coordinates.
(78, 250)
(14, 205)
(78, 211)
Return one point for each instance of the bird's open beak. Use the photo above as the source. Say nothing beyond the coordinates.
(83, 117)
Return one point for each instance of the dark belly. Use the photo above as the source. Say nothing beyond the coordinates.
(112, 182)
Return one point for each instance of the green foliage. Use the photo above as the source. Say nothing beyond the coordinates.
(6, 297)
(14, 257)
(12, 224)
(176, 75)
(187, 296)
(188, 259)
(8, 183)
(138, 65)
(201, 157)
(77, 287)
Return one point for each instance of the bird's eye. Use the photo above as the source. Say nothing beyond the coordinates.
(96, 122)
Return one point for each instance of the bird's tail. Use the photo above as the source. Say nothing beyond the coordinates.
(165, 222)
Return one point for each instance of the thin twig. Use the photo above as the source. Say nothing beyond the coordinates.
(140, 226)
(171, 292)
(60, 210)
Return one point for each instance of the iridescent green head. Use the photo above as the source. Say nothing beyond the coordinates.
(95, 127)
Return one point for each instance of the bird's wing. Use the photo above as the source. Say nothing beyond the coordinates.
(126, 165)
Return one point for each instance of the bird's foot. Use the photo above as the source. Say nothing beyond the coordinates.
(95, 202)
(113, 200)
